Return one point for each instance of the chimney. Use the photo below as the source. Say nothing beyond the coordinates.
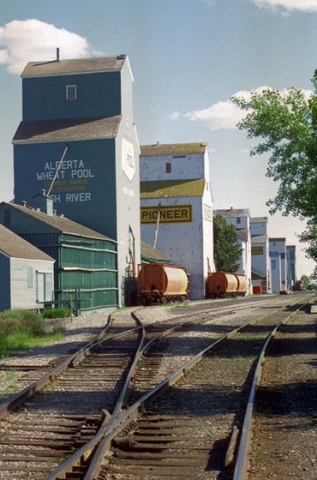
(43, 203)
(57, 54)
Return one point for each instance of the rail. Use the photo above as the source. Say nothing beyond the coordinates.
(240, 471)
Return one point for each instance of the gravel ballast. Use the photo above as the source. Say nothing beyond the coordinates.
(289, 455)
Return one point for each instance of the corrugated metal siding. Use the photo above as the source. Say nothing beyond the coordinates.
(91, 290)
(48, 243)
(87, 253)
(72, 279)
(88, 265)
(94, 271)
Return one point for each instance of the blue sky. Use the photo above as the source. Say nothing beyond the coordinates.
(188, 57)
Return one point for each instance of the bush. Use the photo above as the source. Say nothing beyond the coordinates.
(30, 325)
(20, 329)
(3, 345)
(57, 313)
(8, 327)
(19, 314)
(18, 324)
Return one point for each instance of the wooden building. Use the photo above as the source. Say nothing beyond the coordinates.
(85, 260)
(27, 273)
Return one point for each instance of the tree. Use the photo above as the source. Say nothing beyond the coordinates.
(286, 123)
(309, 236)
(306, 280)
(227, 250)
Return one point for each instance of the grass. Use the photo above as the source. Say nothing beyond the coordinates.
(10, 377)
(23, 329)
(175, 304)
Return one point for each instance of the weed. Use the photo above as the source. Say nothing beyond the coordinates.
(22, 329)
(57, 313)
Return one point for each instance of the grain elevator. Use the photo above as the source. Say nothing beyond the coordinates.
(77, 142)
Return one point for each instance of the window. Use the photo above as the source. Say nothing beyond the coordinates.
(238, 220)
(168, 167)
(30, 277)
(71, 92)
(44, 286)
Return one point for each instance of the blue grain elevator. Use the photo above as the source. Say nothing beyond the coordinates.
(77, 142)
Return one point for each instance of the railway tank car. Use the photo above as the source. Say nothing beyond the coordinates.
(226, 284)
(299, 285)
(161, 283)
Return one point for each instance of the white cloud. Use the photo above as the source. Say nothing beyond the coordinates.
(288, 5)
(221, 115)
(23, 41)
(174, 115)
(225, 114)
(247, 94)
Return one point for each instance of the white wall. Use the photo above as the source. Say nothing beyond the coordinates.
(190, 167)
(25, 290)
(276, 274)
(187, 244)
(278, 247)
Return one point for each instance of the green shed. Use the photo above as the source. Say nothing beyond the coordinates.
(85, 261)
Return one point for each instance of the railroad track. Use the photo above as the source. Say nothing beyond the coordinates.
(188, 431)
(84, 431)
(51, 425)
(29, 373)
(282, 440)
(162, 438)
(88, 382)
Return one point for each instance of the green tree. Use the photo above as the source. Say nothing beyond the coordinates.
(306, 280)
(227, 250)
(286, 124)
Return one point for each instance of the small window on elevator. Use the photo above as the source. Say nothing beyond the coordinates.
(168, 167)
(71, 92)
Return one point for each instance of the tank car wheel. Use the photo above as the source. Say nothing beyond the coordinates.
(147, 301)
